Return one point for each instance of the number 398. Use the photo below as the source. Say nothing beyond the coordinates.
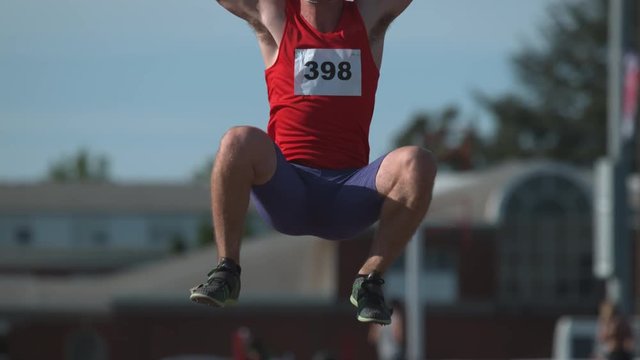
(328, 70)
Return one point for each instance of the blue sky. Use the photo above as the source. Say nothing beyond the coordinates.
(153, 85)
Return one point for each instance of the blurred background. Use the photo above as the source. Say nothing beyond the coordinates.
(110, 116)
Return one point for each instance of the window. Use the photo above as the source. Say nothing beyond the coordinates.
(439, 258)
(100, 238)
(91, 231)
(167, 232)
(23, 235)
(545, 244)
(439, 278)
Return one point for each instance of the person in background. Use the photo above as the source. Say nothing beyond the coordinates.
(615, 336)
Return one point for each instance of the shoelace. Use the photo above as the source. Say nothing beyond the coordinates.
(219, 280)
(375, 280)
(375, 295)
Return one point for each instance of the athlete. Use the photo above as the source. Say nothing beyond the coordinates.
(309, 173)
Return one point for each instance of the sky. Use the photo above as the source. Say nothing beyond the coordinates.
(154, 84)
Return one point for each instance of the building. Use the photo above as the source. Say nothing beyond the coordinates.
(508, 251)
(145, 312)
(103, 215)
(511, 251)
(100, 227)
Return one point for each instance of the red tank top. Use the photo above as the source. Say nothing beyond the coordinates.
(322, 91)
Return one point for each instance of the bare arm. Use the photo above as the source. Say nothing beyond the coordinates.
(266, 17)
(377, 16)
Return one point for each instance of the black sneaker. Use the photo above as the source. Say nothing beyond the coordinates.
(222, 288)
(366, 295)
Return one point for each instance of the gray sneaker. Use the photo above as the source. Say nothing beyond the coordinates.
(366, 295)
(222, 287)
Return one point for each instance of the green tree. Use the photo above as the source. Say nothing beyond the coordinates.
(205, 235)
(456, 145)
(202, 174)
(560, 109)
(81, 166)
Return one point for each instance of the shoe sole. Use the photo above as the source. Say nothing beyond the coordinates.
(366, 319)
(206, 300)
(370, 320)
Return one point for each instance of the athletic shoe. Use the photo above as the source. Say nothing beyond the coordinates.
(222, 288)
(366, 295)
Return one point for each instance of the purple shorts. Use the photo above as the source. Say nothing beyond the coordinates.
(332, 204)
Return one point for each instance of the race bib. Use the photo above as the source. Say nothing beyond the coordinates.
(331, 72)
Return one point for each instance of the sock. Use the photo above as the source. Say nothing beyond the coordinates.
(374, 273)
(230, 263)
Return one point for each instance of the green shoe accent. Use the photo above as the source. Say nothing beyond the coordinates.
(355, 289)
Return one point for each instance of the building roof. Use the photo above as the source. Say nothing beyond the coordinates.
(275, 268)
(104, 197)
(475, 197)
(30, 259)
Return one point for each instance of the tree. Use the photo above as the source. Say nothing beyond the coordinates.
(205, 235)
(455, 145)
(81, 166)
(561, 111)
(202, 174)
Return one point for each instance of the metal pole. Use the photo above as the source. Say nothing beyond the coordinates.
(620, 39)
(415, 308)
(614, 102)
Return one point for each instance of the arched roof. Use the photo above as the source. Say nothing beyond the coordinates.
(478, 197)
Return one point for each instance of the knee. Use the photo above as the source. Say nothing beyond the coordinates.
(408, 174)
(416, 165)
(242, 139)
(249, 149)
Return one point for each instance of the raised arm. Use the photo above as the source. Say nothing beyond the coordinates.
(245, 9)
(266, 17)
(377, 16)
